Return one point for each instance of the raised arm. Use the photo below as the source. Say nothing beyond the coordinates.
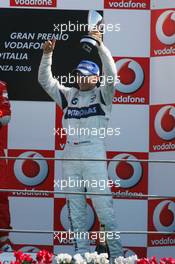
(58, 92)
(109, 69)
(110, 73)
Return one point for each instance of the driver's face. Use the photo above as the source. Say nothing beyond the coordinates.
(86, 82)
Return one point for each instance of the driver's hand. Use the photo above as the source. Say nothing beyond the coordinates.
(97, 35)
(49, 46)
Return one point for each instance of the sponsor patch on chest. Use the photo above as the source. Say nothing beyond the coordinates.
(84, 112)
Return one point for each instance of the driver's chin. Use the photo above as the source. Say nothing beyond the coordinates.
(85, 86)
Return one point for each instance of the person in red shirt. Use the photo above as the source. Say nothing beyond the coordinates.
(5, 115)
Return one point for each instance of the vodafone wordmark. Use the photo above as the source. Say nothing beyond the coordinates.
(33, 3)
(129, 4)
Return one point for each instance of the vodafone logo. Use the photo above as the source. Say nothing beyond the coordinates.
(37, 3)
(64, 217)
(131, 76)
(164, 123)
(128, 173)
(165, 27)
(31, 172)
(132, 4)
(164, 216)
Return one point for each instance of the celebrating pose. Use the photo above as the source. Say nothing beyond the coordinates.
(85, 109)
(5, 113)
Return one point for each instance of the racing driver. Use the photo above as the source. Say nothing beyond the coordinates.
(85, 108)
(5, 114)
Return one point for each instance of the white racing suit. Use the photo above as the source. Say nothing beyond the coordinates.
(91, 110)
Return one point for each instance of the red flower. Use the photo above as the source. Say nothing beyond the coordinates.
(153, 260)
(44, 257)
(167, 261)
(26, 258)
(18, 255)
(22, 258)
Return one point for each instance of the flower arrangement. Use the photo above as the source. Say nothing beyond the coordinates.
(153, 260)
(42, 257)
(89, 258)
(129, 260)
(45, 257)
